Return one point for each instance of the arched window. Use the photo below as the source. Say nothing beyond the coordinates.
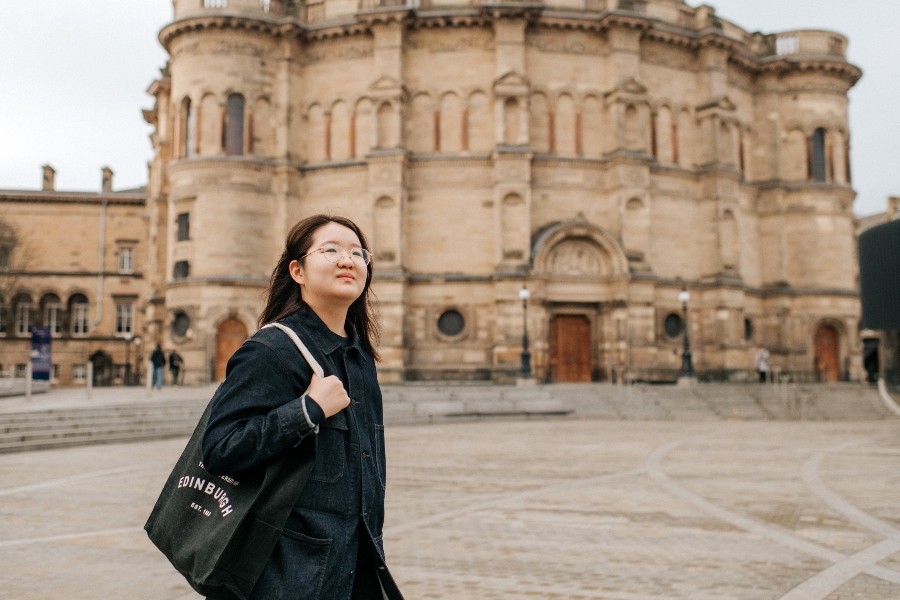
(511, 122)
(388, 126)
(189, 129)
(362, 136)
(78, 315)
(539, 123)
(592, 127)
(233, 136)
(817, 170)
(22, 315)
(339, 132)
(565, 126)
(51, 314)
(479, 124)
(450, 128)
(420, 134)
(316, 134)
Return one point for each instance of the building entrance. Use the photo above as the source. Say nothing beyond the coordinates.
(828, 366)
(570, 348)
(229, 337)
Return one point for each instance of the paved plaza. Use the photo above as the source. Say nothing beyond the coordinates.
(543, 509)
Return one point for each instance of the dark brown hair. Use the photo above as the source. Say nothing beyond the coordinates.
(284, 297)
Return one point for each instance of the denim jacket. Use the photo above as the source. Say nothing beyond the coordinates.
(259, 414)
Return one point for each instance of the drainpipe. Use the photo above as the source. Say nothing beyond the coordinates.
(100, 249)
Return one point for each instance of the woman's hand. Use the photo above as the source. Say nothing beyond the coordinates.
(329, 394)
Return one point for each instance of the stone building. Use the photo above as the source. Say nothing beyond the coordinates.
(74, 262)
(606, 154)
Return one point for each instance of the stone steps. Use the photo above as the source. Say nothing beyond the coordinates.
(144, 418)
(61, 427)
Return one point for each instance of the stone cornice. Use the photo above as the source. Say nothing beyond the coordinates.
(783, 65)
(739, 51)
(42, 197)
(439, 19)
(89, 274)
(201, 23)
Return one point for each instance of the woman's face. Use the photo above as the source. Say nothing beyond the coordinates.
(324, 283)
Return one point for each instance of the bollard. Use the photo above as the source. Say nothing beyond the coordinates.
(28, 374)
(149, 384)
(89, 387)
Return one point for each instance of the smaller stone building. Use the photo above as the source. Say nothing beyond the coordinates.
(73, 262)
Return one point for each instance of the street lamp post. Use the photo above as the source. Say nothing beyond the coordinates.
(687, 367)
(524, 294)
(136, 377)
(127, 337)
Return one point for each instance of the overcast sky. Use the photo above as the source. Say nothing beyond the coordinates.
(74, 77)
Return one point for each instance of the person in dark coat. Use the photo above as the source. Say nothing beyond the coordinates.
(332, 546)
(158, 360)
(175, 362)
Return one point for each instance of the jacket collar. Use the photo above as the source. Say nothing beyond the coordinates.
(323, 338)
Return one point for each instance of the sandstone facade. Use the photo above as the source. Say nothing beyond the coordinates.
(606, 155)
(59, 253)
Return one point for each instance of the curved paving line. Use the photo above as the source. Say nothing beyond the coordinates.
(821, 490)
(779, 535)
(827, 581)
(820, 585)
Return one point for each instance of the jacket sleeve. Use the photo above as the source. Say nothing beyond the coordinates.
(257, 412)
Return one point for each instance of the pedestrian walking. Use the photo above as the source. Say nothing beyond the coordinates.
(175, 362)
(762, 364)
(332, 544)
(158, 360)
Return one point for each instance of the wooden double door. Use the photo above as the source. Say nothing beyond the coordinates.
(827, 354)
(229, 337)
(570, 348)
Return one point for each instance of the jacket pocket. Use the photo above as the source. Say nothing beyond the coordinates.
(296, 570)
(328, 489)
(331, 447)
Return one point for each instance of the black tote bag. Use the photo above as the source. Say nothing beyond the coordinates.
(219, 531)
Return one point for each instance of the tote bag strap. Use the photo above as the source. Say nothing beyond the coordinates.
(313, 363)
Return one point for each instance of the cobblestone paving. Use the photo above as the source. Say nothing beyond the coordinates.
(558, 509)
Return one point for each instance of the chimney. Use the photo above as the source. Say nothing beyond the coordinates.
(49, 183)
(107, 179)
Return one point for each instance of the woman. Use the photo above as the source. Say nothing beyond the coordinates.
(332, 544)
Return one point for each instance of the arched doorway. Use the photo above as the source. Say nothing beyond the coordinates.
(827, 354)
(102, 367)
(570, 348)
(229, 337)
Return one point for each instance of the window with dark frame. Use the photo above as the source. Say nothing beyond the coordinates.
(181, 323)
(233, 132)
(673, 325)
(817, 169)
(183, 227)
(181, 270)
(79, 316)
(451, 323)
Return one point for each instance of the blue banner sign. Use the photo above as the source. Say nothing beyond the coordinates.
(40, 353)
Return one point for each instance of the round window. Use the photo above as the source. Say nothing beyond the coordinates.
(451, 322)
(180, 324)
(673, 325)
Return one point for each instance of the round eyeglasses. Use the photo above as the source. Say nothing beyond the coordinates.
(333, 253)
